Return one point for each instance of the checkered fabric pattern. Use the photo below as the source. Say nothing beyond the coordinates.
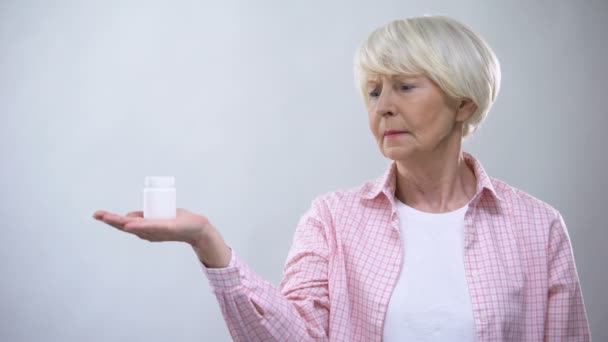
(347, 254)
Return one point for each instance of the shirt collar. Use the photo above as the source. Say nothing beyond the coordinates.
(387, 183)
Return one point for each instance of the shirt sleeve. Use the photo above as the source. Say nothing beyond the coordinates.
(297, 310)
(566, 315)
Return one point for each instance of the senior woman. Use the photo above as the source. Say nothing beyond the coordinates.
(434, 249)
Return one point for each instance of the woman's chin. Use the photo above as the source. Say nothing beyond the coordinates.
(396, 152)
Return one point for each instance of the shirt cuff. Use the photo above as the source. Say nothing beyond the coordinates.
(225, 278)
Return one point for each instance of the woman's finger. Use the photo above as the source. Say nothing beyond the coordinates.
(98, 215)
(152, 230)
(143, 235)
(118, 221)
(151, 225)
(136, 214)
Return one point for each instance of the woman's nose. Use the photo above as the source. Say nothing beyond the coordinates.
(385, 105)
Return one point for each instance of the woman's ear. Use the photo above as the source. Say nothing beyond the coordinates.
(466, 108)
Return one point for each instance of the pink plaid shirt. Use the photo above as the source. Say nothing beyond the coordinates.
(347, 254)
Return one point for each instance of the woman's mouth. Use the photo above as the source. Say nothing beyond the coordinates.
(394, 134)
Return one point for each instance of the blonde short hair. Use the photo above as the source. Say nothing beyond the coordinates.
(446, 51)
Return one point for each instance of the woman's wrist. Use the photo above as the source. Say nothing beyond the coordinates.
(213, 252)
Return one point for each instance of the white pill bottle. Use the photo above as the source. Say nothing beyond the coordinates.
(159, 198)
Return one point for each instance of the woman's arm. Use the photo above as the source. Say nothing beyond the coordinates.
(566, 315)
(256, 310)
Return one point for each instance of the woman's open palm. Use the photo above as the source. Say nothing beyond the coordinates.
(186, 226)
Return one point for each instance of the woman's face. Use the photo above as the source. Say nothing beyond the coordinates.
(423, 117)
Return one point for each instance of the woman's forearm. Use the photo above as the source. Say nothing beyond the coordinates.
(256, 310)
(212, 251)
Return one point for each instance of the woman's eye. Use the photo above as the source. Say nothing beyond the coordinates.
(404, 87)
(407, 87)
(374, 93)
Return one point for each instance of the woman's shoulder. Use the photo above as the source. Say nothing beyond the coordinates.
(338, 198)
(521, 202)
(344, 203)
(348, 195)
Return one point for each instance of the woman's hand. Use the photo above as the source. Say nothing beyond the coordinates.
(188, 227)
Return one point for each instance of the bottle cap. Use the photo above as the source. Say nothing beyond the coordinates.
(157, 182)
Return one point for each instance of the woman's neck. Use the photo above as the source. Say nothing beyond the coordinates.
(436, 182)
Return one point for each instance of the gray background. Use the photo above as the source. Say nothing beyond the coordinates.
(252, 106)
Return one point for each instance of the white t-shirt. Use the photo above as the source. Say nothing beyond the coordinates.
(430, 301)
